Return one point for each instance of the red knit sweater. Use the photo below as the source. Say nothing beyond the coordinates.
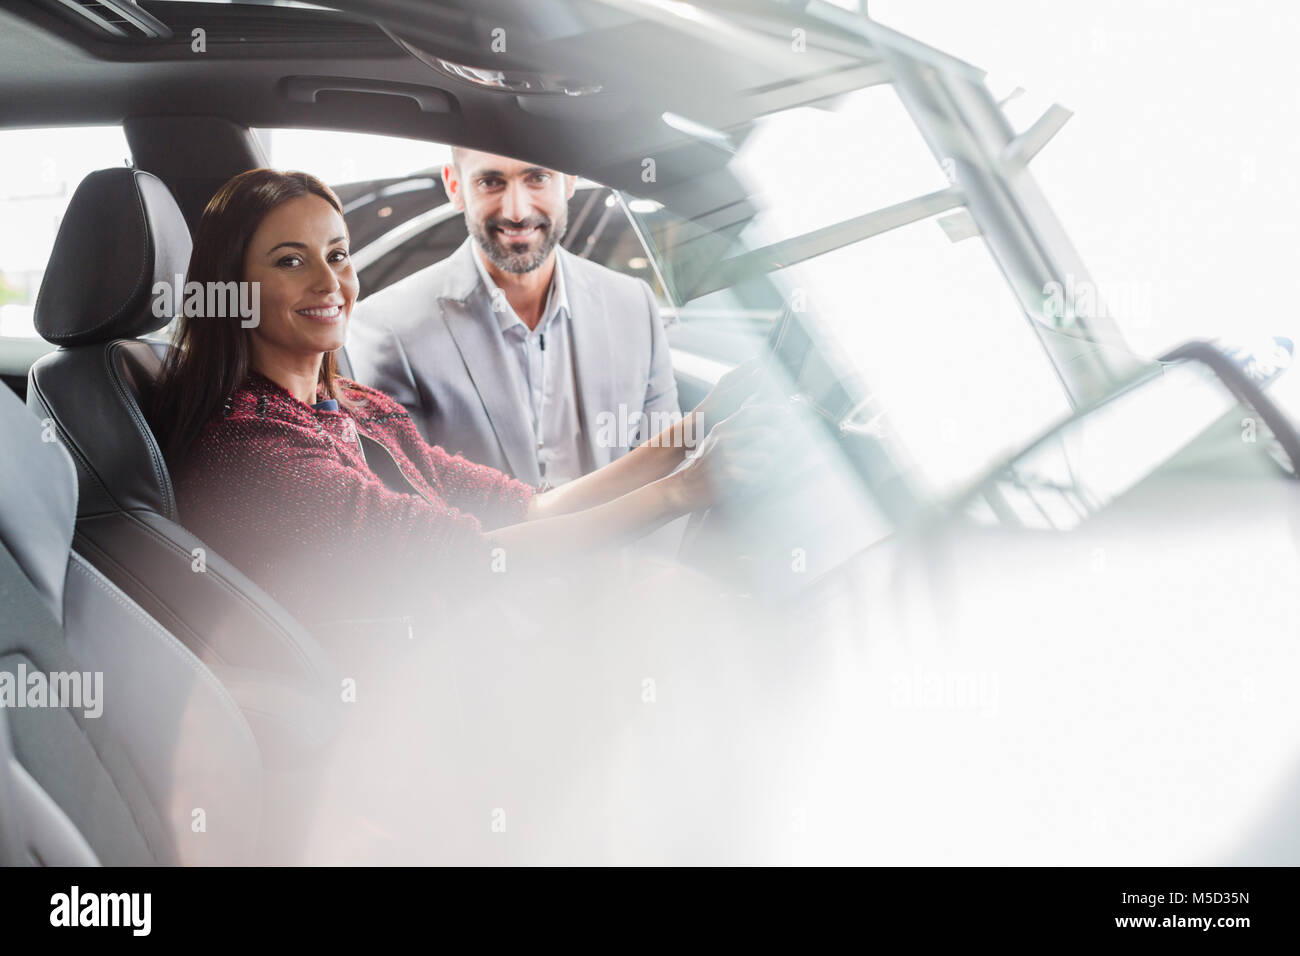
(283, 492)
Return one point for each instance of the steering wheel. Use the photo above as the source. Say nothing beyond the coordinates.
(700, 519)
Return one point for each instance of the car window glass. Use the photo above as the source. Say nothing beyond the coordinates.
(342, 156)
(39, 171)
(793, 172)
(929, 326)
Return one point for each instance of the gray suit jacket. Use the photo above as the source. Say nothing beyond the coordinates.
(432, 342)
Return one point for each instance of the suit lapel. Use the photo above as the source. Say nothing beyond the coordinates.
(467, 313)
(592, 348)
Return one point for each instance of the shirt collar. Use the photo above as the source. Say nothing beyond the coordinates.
(557, 298)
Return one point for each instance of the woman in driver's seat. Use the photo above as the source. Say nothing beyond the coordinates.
(321, 489)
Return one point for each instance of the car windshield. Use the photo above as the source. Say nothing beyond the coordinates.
(841, 214)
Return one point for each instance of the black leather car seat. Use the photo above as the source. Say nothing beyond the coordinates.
(168, 771)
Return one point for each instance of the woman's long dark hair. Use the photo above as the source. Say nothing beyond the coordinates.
(210, 357)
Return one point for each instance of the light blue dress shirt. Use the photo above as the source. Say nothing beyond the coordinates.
(543, 375)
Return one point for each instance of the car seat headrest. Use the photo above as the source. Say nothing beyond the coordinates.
(122, 234)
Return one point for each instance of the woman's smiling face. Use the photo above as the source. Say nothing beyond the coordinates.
(307, 286)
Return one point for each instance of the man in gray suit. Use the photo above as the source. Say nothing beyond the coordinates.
(513, 351)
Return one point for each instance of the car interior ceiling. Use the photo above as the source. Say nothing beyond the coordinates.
(187, 116)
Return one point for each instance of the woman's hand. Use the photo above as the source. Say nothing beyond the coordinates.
(736, 454)
(730, 392)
